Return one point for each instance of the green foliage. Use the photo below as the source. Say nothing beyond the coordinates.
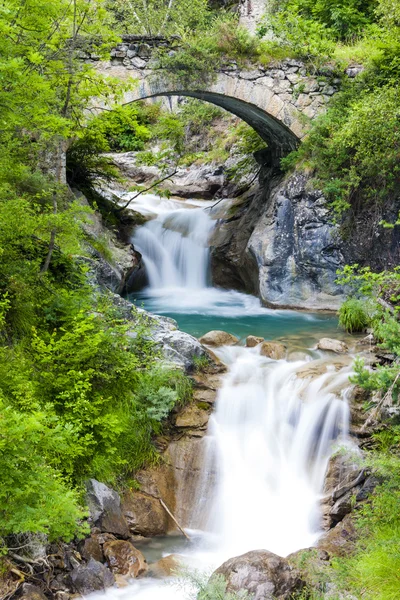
(247, 143)
(373, 572)
(76, 397)
(201, 54)
(162, 17)
(33, 496)
(381, 292)
(353, 316)
(354, 148)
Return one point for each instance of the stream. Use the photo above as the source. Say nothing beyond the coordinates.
(272, 433)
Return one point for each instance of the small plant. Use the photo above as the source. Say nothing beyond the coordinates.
(353, 316)
(201, 363)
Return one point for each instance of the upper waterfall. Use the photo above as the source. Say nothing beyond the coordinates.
(175, 249)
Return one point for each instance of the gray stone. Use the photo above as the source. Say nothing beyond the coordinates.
(32, 592)
(331, 345)
(105, 508)
(218, 338)
(93, 577)
(264, 575)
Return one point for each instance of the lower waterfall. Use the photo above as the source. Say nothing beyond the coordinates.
(269, 442)
(265, 457)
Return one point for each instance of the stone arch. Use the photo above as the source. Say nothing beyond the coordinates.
(278, 137)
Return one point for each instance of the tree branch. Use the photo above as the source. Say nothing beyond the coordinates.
(121, 208)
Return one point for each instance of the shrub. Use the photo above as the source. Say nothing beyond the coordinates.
(353, 316)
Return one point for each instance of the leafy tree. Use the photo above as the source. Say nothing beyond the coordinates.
(160, 17)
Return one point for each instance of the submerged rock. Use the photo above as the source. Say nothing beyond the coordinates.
(332, 346)
(263, 574)
(93, 577)
(124, 559)
(218, 338)
(165, 567)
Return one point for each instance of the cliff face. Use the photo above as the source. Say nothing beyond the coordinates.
(281, 244)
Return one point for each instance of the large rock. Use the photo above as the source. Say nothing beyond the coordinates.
(264, 575)
(144, 514)
(178, 348)
(344, 480)
(105, 508)
(93, 577)
(281, 244)
(332, 345)
(91, 548)
(274, 350)
(195, 181)
(124, 559)
(339, 541)
(218, 338)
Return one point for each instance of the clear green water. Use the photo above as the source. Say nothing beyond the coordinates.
(240, 315)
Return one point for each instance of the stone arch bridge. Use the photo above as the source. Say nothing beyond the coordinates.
(278, 102)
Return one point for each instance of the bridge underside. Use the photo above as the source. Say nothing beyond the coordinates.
(279, 138)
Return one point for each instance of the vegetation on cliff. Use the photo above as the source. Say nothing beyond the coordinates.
(79, 396)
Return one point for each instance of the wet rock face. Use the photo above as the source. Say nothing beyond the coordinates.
(339, 541)
(283, 241)
(264, 575)
(297, 249)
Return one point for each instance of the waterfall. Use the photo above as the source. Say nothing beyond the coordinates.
(274, 428)
(269, 441)
(174, 247)
(265, 457)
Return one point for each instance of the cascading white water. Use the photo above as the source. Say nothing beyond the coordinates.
(272, 432)
(266, 454)
(270, 439)
(175, 248)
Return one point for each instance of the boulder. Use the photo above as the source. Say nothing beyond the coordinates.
(339, 541)
(32, 592)
(264, 575)
(192, 416)
(165, 567)
(274, 350)
(253, 340)
(144, 514)
(91, 548)
(124, 559)
(332, 346)
(218, 338)
(344, 479)
(92, 577)
(105, 508)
